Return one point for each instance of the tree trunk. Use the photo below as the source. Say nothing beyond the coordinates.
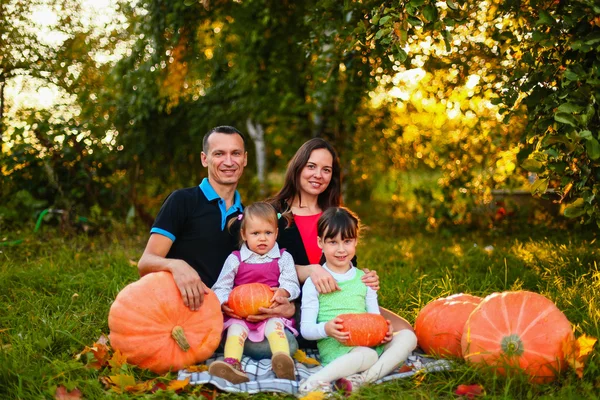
(2, 85)
(257, 134)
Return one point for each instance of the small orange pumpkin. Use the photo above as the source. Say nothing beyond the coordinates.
(518, 330)
(152, 327)
(439, 325)
(365, 329)
(246, 299)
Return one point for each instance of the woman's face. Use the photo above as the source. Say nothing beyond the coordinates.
(316, 174)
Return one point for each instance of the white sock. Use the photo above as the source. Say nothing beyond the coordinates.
(395, 353)
(357, 360)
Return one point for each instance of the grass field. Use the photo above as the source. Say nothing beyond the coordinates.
(55, 293)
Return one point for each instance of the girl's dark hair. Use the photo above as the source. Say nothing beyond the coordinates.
(258, 210)
(331, 197)
(338, 220)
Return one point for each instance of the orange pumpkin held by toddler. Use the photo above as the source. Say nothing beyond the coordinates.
(152, 327)
(365, 329)
(246, 299)
(518, 330)
(439, 325)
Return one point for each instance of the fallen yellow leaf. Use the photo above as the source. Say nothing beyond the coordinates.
(178, 385)
(300, 356)
(117, 360)
(578, 351)
(197, 368)
(313, 396)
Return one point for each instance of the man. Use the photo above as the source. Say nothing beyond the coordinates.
(189, 237)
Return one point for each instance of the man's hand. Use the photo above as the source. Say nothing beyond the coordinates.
(390, 333)
(188, 282)
(228, 311)
(371, 279)
(333, 329)
(283, 309)
(323, 281)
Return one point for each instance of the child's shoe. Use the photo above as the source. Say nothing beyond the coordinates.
(350, 384)
(229, 369)
(283, 366)
(305, 387)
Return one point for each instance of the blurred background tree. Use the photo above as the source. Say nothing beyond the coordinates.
(434, 107)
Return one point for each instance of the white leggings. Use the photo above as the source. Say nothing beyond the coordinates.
(365, 359)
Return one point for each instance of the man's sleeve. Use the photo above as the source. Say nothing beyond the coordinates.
(170, 218)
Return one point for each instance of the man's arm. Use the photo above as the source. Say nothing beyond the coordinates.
(186, 278)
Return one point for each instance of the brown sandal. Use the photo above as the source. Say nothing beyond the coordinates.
(229, 369)
(283, 366)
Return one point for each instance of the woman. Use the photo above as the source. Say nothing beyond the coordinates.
(312, 185)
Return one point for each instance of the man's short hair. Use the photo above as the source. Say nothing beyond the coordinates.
(229, 130)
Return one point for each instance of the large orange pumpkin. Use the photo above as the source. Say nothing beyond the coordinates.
(365, 329)
(150, 325)
(518, 330)
(439, 325)
(246, 299)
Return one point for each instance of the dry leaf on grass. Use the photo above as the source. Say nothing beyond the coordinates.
(197, 368)
(470, 391)
(117, 360)
(578, 351)
(300, 356)
(100, 354)
(313, 396)
(63, 394)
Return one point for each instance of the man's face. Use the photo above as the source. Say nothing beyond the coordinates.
(225, 158)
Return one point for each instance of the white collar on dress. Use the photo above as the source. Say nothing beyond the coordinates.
(246, 253)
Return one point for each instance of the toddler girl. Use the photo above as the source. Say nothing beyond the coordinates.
(337, 231)
(259, 260)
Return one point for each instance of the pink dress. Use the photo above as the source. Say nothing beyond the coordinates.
(267, 273)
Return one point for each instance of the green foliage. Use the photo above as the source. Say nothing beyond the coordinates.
(545, 59)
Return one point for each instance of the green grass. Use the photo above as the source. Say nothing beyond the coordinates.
(55, 293)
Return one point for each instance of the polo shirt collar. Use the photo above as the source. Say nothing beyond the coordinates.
(246, 253)
(211, 195)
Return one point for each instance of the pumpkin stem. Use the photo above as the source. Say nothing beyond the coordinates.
(179, 336)
(512, 345)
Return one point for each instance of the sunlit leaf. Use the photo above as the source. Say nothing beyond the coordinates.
(565, 118)
(452, 5)
(545, 19)
(539, 187)
(593, 148)
(575, 209)
(532, 165)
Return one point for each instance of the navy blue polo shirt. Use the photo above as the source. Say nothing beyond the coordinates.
(195, 220)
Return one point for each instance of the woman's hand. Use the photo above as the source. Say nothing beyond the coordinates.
(333, 329)
(390, 333)
(283, 309)
(371, 279)
(228, 311)
(322, 279)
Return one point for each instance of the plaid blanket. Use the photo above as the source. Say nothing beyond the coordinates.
(262, 378)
